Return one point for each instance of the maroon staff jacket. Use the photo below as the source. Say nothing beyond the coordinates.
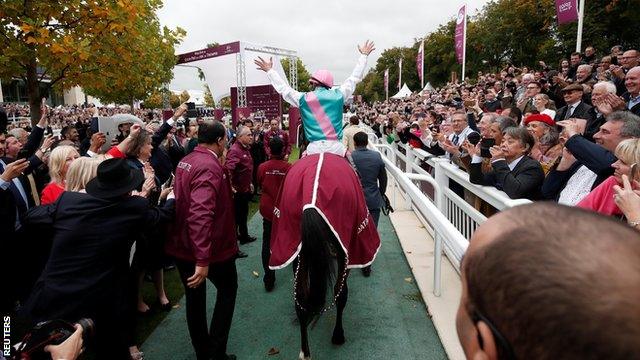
(285, 138)
(270, 177)
(204, 227)
(239, 164)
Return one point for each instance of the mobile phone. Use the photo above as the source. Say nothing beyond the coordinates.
(485, 145)
(474, 138)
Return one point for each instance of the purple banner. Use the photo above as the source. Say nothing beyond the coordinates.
(567, 11)
(262, 98)
(420, 61)
(460, 32)
(220, 50)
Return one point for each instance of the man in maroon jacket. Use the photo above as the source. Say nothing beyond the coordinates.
(275, 131)
(270, 177)
(203, 240)
(239, 164)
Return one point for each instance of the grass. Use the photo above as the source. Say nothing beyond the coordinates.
(173, 286)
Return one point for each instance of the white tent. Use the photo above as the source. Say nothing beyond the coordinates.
(428, 87)
(403, 93)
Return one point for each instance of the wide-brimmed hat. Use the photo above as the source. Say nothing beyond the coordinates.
(572, 87)
(322, 77)
(115, 178)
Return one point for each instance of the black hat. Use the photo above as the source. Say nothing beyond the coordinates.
(115, 178)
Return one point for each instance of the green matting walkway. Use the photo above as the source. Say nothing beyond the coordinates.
(385, 317)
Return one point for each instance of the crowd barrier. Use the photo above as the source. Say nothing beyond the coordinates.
(449, 218)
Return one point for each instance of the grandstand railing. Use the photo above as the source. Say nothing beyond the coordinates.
(450, 219)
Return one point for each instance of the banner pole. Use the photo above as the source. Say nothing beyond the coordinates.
(464, 43)
(422, 67)
(580, 24)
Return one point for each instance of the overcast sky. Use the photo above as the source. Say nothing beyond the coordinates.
(324, 33)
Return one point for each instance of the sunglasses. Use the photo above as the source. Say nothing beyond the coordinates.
(501, 341)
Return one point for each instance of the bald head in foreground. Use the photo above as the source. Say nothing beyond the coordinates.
(544, 281)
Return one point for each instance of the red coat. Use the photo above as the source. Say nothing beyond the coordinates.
(270, 177)
(285, 138)
(335, 191)
(204, 227)
(239, 164)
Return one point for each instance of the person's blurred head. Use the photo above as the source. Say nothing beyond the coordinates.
(516, 142)
(276, 145)
(21, 134)
(192, 129)
(532, 89)
(275, 125)
(213, 135)
(583, 73)
(620, 125)
(541, 101)
(354, 120)
(3, 144)
(525, 273)
(80, 172)
(244, 136)
(59, 161)
(602, 88)
(628, 153)
(589, 51)
(141, 147)
(69, 133)
(573, 94)
(629, 59)
(632, 81)
(527, 78)
(458, 121)
(485, 123)
(360, 139)
(576, 58)
(616, 50)
(12, 146)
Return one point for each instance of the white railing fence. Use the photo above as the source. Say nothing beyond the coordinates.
(449, 218)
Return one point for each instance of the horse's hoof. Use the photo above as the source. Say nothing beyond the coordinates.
(337, 338)
(302, 357)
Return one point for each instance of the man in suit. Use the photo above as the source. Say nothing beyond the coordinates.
(203, 240)
(514, 172)
(275, 131)
(632, 96)
(575, 108)
(86, 274)
(373, 177)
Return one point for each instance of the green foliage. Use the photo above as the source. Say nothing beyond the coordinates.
(208, 98)
(520, 32)
(116, 50)
(303, 74)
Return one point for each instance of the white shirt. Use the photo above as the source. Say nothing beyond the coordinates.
(293, 96)
(551, 113)
(578, 186)
(512, 165)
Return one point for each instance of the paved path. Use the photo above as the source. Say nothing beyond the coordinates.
(385, 317)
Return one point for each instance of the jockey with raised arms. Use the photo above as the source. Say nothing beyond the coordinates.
(320, 109)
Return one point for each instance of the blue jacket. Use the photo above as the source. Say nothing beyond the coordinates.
(373, 176)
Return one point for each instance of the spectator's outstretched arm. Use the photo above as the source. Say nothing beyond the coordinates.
(282, 87)
(349, 85)
(593, 156)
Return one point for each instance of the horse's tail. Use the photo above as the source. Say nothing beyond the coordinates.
(316, 268)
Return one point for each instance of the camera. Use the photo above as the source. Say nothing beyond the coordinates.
(52, 332)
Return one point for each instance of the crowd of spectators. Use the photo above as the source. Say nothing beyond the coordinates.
(568, 134)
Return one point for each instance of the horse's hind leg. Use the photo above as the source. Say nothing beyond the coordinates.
(341, 302)
(303, 319)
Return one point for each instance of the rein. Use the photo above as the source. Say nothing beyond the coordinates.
(335, 298)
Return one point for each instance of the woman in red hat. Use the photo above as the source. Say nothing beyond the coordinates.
(547, 148)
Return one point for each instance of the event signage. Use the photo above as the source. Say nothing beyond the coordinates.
(420, 63)
(262, 100)
(220, 50)
(386, 83)
(567, 11)
(400, 74)
(461, 25)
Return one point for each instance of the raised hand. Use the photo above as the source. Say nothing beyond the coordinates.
(263, 64)
(180, 110)
(135, 130)
(366, 48)
(628, 199)
(13, 170)
(496, 153)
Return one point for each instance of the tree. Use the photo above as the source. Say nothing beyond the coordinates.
(115, 50)
(303, 73)
(184, 96)
(208, 97)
